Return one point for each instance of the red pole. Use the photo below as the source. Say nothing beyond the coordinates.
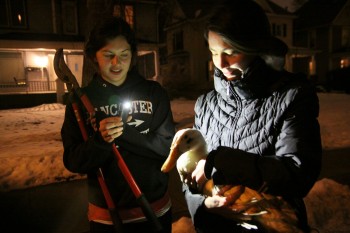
(117, 222)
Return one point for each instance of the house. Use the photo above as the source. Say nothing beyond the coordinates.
(282, 25)
(324, 26)
(318, 37)
(189, 68)
(31, 31)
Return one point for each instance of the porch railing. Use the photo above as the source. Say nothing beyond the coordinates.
(28, 86)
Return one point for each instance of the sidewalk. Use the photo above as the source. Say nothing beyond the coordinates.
(54, 208)
(62, 208)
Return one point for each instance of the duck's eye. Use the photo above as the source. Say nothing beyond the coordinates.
(189, 140)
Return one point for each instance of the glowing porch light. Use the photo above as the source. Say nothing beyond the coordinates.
(41, 61)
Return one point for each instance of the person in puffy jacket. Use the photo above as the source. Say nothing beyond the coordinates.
(260, 121)
(143, 141)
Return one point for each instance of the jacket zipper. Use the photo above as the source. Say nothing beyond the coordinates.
(234, 96)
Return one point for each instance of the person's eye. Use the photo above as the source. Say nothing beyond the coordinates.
(108, 55)
(124, 55)
(232, 53)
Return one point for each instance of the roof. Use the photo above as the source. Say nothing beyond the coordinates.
(272, 8)
(276, 9)
(315, 13)
(194, 9)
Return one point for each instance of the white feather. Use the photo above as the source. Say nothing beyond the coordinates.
(188, 147)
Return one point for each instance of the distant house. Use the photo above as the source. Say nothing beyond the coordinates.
(324, 26)
(282, 27)
(189, 68)
(31, 31)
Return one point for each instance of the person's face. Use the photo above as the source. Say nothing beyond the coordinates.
(114, 60)
(231, 62)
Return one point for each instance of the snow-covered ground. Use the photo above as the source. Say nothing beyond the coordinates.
(31, 154)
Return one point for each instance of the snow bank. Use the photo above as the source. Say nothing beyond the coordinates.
(328, 206)
(31, 148)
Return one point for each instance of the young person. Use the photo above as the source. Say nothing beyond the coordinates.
(143, 141)
(260, 121)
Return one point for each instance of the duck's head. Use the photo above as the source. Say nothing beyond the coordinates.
(184, 140)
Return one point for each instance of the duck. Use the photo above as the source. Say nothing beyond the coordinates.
(187, 149)
(273, 213)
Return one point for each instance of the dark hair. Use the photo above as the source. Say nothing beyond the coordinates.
(107, 29)
(244, 25)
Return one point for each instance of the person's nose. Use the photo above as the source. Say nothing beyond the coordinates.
(222, 61)
(115, 60)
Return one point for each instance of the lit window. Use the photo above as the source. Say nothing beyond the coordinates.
(344, 63)
(13, 14)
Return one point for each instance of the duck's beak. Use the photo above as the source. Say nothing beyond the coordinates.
(170, 162)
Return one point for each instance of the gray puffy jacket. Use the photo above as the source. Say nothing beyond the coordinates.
(262, 128)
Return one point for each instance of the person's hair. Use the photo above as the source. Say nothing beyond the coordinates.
(106, 30)
(244, 25)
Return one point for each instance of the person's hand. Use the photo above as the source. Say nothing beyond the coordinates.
(93, 122)
(219, 205)
(220, 198)
(111, 128)
(216, 201)
(198, 176)
(221, 195)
